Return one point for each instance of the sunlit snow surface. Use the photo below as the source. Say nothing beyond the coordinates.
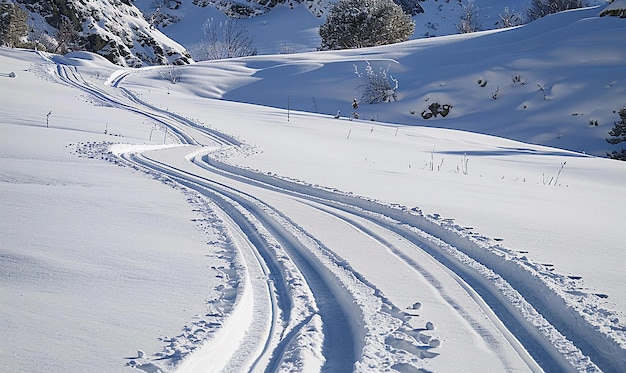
(230, 222)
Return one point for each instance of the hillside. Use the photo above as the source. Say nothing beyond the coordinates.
(554, 81)
(281, 28)
(216, 216)
(114, 29)
(148, 32)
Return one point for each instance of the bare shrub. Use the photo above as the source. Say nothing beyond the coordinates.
(228, 39)
(377, 86)
(469, 19)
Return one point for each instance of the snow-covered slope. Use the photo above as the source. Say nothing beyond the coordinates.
(114, 29)
(616, 8)
(287, 28)
(147, 32)
(230, 222)
(553, 82)
(278, 27)
(282, 28)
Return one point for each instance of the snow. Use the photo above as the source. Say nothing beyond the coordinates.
(228, 222)
(615, 5)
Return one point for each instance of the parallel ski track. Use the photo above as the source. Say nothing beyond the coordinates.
(336, 322)
(71, 76)
(603, 351)
(407, 258)
(338, 327)
(543, 352)
(280, 295)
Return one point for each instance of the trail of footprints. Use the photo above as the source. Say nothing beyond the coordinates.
(416, 341)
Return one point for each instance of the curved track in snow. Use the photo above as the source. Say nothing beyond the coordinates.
(304, 278)
(434, 240)
(337, 326)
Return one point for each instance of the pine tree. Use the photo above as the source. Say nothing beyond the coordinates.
(365, 23)
(13, 25)
(618, 135)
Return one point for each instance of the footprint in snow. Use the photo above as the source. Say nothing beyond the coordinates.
(421, 352)
(416, 306)
(434, 343)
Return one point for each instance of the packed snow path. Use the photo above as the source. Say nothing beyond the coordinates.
(337, 329)
(328, 281)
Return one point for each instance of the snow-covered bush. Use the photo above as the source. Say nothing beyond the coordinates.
(365, 23)
(541, 8)
(469, 19)
(67, 38)
(618, 135)
(172, 74)
(377, 86)
(509, 19)
(228, 39)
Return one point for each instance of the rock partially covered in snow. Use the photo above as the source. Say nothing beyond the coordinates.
(434, 343)
(615, 9)
(113, 29)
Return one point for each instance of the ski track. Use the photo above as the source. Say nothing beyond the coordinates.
(396, 221)
(335, 319)
(407, 257)
(538, 320)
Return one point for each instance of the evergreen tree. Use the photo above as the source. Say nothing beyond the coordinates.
(618, 135)
(13, 25)
(365, 23)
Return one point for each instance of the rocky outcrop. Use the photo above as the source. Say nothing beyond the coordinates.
(616, 8)
(115, 29)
